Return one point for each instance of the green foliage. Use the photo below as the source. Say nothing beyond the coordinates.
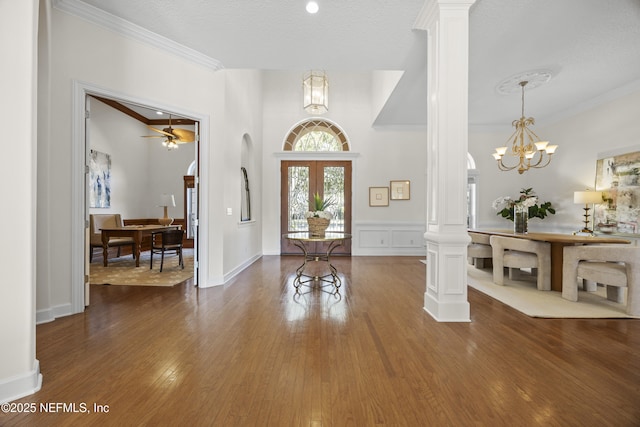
(321, 204)
(527, 198)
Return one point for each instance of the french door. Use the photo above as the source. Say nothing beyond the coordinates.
(300, 180)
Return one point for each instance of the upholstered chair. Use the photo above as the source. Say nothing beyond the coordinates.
(516, 253)
(616, 266)
(99, 221)
(479, 251)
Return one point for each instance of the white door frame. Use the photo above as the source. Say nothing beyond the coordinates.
(78, 193)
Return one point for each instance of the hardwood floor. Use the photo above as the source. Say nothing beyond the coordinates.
(250, 354)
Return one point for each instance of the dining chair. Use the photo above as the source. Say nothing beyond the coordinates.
(479, 252)
(516, 253)
(616, 267)
(167, 241)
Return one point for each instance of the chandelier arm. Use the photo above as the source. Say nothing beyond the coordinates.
(506, 168)
(538, 165)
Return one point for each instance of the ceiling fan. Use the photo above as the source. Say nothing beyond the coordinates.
(174, 136)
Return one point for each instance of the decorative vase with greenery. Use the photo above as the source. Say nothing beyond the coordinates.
(521, 209)
(320, 218)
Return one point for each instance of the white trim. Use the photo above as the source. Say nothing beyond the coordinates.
(80, 91)
(316, 155)
(233, 273)
(52, 313)
(388, 238)
(21, 385)
(127, 29)
(618, 152)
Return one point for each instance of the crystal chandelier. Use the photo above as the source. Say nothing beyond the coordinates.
(315, 92)
(525, 145)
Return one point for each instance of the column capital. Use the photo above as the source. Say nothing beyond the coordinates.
(430, 12)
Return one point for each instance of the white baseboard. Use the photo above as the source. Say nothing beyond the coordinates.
(233, 273)
(52, 313)
(21, 385)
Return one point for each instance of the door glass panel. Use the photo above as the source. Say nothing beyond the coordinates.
(334, 188)
(298, 197)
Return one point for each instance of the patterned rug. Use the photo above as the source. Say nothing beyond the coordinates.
(123, 270)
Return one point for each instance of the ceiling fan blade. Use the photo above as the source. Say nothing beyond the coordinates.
(184, 135)
(161, 131)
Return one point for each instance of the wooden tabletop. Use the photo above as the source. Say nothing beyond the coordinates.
(554, 237)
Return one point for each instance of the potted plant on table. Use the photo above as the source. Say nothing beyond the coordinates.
(521, 209)
(320, 218)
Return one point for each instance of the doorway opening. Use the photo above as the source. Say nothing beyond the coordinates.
(182, 181)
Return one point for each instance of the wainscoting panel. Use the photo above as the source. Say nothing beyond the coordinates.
(388, 238)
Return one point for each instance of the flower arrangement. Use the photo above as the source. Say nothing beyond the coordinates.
(320, 205)
(528, 199)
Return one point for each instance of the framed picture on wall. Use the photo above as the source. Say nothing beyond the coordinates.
(99, 180)
(618, 177)
(378, 196)
(400, 190)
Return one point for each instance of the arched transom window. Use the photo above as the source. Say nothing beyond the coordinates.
(316, 135)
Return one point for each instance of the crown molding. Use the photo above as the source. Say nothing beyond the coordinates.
(127, 29)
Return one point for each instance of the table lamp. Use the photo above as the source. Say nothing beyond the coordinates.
(166, 200)
(587, 198)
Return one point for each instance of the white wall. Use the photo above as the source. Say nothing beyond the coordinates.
(19, 369)
(383, 155)
(86, 55)
(580, 138)
(243, 120)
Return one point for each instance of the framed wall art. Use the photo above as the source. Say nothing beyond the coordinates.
(99, 180)
(400, 190)
(378, 196)
(618, 177)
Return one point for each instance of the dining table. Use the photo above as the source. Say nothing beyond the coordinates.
(557, 241)
(136, 232)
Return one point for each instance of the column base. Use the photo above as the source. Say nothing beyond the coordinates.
(447, 311)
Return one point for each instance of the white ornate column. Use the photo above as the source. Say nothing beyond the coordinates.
(447, 24)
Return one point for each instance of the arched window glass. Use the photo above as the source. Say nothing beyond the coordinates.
(316, 135)
(246, 160)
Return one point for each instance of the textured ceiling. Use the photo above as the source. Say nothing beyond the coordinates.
(591, 47)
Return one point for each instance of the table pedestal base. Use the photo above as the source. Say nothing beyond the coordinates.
(320, 282)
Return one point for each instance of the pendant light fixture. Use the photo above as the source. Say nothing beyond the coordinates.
(526, 146)
(315, 92)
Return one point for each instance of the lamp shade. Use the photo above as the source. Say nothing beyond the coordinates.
(587, 197)
(167, 200)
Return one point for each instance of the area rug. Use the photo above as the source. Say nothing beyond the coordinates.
(123, 270)
(524, 297)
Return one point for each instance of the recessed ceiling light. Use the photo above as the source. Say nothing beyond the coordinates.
(159, 113)
(312, 7)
